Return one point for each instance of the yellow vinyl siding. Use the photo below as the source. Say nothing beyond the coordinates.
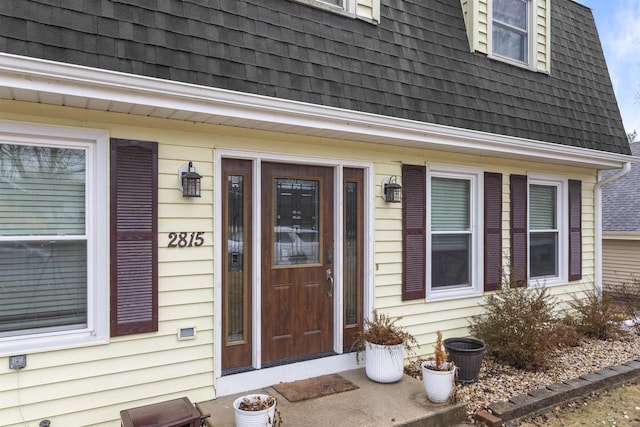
(89, 385)
(67, 389)
(425, 318)
(542, 51)
(476, 20)
(368, 9)
(483, 28)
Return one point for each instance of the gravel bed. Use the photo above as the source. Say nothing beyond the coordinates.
(498, 382)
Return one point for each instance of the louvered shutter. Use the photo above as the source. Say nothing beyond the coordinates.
(492, 230)
(134, 241)
(575, 230)
(519, 251)
(413, 232)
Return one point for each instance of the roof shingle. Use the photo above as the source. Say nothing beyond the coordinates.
(414, 65)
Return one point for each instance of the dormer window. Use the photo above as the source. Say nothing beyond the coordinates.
(510, 35)
(369, 10)
(344, 6)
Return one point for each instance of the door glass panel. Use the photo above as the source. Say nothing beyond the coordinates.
(296, 237)
(235, 256)
(351, 254)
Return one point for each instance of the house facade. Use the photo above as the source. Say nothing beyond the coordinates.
(494, 117)
(621, 230)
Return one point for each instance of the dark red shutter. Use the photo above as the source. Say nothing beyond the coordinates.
(492, 230)
(134, 237)
(414, 233)
(519, 251)
(575, 230)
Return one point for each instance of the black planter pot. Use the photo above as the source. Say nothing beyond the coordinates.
(467, 354)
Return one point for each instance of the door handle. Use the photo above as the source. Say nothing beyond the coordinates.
(330, 280)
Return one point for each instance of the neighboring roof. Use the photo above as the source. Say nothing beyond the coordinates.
(415, 64)
(621, 199)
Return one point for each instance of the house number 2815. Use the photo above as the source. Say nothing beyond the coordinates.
(186, 240)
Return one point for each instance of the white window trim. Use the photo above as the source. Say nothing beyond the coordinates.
(348, 6)
(562, 225)
(476, 178)
(532, 8)
(95, 142)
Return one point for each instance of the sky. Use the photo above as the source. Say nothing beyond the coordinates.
(618, 23)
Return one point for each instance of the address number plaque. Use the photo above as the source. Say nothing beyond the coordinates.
(186, 240)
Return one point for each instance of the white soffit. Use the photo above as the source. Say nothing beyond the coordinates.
(34, 80)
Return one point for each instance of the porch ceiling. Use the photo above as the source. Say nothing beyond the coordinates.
(53, 83)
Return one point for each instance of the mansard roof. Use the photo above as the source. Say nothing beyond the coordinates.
(415, 64)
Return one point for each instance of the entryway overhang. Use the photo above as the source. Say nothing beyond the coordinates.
(54, 83)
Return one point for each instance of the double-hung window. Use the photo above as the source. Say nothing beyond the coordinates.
(547, 226)
(510, 29)
(453, 238)
(51, 215)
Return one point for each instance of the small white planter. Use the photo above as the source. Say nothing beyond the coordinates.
(261, 418)
(384, 363)
(437, 384)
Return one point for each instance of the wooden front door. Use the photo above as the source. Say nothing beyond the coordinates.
(297, 262)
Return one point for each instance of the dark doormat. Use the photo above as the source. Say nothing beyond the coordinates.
(314, 387)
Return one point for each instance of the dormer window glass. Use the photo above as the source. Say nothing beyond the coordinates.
(511, 29)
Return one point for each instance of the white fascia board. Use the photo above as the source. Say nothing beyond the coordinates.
(256, 111)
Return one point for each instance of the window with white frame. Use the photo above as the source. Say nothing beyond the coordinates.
(510, 29)
(547, 244)
(49, 237)
(452, 233)
(345, 6)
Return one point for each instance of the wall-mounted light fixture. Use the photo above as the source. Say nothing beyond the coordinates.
(391, 190)
(189, 180)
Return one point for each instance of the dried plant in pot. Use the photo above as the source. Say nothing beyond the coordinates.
(255, 410)
(438, 375)
(385, 345)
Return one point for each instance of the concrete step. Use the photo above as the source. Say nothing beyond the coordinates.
(373, 404)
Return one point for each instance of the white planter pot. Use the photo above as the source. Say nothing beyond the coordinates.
(261, 418)
(384, 363)
(437, 384)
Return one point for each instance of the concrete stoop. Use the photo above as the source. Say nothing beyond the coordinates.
(399, 404)
(540, 400)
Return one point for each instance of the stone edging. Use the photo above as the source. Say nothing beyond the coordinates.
(539, 400)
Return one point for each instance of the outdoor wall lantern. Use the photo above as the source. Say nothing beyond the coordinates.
(391, 190)
(189, 180)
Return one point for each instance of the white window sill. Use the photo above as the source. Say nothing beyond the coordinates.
(49, 341)
(448, 294)
(539, 282)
